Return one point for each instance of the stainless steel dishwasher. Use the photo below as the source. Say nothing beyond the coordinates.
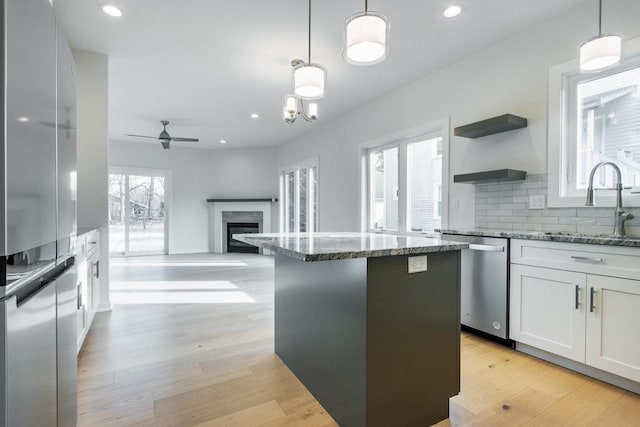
(484, 284)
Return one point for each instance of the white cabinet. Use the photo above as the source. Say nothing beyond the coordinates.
(562, 303)
(547, 310)
(88, 282)
(613, 326)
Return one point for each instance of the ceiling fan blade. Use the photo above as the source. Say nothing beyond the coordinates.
(185, 139)
(141, 136)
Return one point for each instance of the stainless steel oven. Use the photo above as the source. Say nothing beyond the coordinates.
(485, 284)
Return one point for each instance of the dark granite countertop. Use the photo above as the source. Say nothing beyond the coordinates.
(334, 246)
(589, 239)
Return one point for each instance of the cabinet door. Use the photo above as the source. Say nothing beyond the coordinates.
(613, 325)
(95, 281)
(547, 310)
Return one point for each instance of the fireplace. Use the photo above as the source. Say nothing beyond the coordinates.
(241, 228)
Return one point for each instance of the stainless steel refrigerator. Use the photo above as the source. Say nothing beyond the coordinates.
(38, 364)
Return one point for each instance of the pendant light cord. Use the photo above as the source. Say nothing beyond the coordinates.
(366, 5)
(309, 62)
(600, 19)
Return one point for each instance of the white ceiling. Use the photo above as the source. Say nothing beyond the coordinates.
(206, 65)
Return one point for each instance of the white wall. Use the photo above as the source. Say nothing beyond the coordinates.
(199, 174)
(93, 152)
(507, 77)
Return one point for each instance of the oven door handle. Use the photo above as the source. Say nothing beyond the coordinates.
(485, 248)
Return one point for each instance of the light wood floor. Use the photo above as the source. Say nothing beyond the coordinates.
(209, 361)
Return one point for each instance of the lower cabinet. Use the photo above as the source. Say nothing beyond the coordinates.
(613, 326)
(88, 283)
(547, 310)
(587, 318)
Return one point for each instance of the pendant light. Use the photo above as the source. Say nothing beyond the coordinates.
(309, 79)
(601, 51)
(366, 38)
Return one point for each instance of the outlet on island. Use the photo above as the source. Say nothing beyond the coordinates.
(417, 264)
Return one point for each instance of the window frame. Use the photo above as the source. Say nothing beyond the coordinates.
(561, 156)
(295, 168)
(402, 139)
(167, 174)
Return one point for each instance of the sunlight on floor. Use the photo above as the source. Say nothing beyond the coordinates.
(178, 263)
(178, 292)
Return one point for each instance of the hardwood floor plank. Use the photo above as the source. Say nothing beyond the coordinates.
(251, 417)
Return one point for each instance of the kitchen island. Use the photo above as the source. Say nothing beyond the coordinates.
(375, 344)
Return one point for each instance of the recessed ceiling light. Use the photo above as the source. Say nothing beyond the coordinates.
(453, 11)
(23, 119)
(255, 116)
(223, 141)
(110, 10)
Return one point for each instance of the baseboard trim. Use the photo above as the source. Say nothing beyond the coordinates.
(580, 367)
(105, 307)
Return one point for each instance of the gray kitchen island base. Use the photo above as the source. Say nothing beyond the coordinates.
(375, 345)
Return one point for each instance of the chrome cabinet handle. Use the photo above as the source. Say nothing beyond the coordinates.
(591, 306)
(587, 259)
(486, 248)
(577, 297)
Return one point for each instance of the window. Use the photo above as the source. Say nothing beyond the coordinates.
(384, 188)
(405, 186)
(299, 198)
(137, 212)
(593, 118)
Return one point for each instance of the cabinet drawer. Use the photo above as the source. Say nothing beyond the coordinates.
(595, 259)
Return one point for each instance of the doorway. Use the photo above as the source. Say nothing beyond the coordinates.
(138, 220)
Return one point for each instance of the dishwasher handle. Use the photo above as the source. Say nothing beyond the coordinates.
(485, 248)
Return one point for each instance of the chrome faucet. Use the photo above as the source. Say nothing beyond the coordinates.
(620, 215)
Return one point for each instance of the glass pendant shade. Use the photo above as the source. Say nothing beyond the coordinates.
(366, 38)
(313, 110)
(600, 52)
(309, 81)
(291, 105)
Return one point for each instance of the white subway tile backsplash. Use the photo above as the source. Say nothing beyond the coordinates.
(505, 206)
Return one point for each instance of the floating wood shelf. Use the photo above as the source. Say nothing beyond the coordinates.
(501, 175)
(271, 199)
(491, 126)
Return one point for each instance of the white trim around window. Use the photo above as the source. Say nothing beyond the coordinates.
(312, 197)
(561, 171)
(437, 128)
(167, 174)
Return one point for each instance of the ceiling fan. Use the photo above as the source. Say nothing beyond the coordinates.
(164, 137)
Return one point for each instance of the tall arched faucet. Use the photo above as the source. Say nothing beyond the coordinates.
(620, 215)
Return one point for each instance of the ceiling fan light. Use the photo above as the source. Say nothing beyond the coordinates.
(309, 81)
(600, 52)
(366, 38)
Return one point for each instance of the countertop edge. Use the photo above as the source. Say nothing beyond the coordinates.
(633, 242)
(369, 253)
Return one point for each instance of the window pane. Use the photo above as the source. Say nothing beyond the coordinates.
(609, 127)
(384, 189)
(313, 178)
(146, 214)
(290, 203)
(117, 213)
(302, 190)
(424, 181)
